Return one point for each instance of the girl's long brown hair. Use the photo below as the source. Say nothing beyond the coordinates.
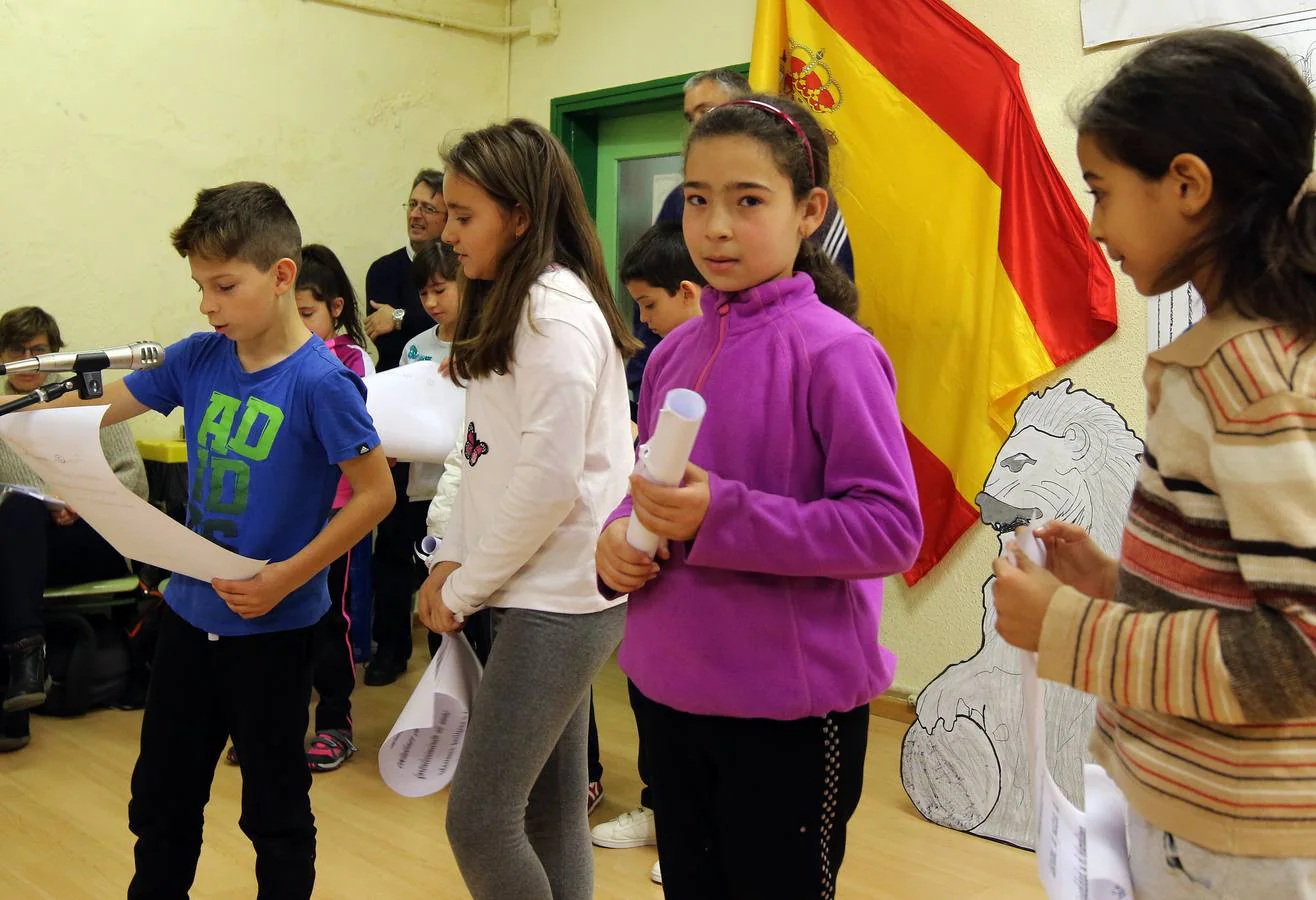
(521, 164)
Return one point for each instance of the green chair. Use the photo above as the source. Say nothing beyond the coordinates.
(95, 596)
(66, 611)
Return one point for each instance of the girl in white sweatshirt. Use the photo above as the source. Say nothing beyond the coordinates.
(540, 347)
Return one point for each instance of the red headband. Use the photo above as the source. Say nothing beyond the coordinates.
(789, 120)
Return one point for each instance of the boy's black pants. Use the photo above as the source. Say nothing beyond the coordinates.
(256, 689)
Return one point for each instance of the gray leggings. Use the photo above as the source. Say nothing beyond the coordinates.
(517, 820)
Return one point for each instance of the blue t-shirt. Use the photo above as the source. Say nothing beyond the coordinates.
(263, 450)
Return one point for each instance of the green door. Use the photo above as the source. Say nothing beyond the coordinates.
(639, 162)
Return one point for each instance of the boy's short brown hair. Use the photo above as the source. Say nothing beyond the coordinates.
(21, 324)
(246, 220)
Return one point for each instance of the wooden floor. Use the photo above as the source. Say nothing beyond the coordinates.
(64, 834)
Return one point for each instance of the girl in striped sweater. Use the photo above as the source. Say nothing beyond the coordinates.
(1201, 640)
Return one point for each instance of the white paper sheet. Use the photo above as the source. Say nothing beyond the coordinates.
(663, 458)
(1107, 21)
(1080, 856)
(417, 412)
(424, 746)
(1171, 314)
(1294, 35)
(63, 446)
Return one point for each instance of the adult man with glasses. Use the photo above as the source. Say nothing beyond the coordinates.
(395, 314)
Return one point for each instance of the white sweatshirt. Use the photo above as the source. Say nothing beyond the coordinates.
(547, 454)
(445, 492)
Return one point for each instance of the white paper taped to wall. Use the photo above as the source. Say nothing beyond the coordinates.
(424, 746)
(417, 411)
(662, 460)
(1107, 21)
(63, 446)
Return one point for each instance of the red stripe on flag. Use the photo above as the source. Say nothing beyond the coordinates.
(946, 514)
(970, 87)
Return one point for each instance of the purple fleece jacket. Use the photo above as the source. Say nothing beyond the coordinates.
(773, 610)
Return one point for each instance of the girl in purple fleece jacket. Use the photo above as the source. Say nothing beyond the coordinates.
(754, 639)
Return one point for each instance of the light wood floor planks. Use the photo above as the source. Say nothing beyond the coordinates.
(64, 834)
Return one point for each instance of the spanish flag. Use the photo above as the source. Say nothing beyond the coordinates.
(973, 260)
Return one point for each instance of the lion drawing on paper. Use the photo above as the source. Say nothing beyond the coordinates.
(1070, 457)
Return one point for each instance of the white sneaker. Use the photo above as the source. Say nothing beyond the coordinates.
(630, 829)
(656, 874)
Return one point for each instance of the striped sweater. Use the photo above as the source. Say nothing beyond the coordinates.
(1205, 660)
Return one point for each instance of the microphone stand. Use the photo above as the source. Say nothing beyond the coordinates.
(89, 386)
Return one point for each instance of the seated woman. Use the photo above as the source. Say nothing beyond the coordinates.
(43, 546)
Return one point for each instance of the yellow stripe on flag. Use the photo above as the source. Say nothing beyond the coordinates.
(923, 219)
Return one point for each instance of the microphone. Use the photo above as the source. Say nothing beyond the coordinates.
(138, 355)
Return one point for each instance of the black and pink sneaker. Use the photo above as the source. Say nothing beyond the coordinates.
(329, 749)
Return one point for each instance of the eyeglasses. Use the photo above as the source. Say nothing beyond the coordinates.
(18, 351)
(428, 209)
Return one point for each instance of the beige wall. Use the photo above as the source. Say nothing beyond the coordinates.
(114, 114)
(605, 43)
(939, 621)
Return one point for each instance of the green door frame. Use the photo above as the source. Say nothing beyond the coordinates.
(574, 119)
(631, 137)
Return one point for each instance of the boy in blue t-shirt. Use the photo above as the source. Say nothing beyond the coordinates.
(271, 418)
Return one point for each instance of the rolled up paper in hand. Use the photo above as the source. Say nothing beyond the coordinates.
(426, 547)
(662, 460)
(1026, 542)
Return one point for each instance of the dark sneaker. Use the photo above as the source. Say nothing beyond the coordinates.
(384, 669)
(27, 674)
(14, 732)
(329, 749)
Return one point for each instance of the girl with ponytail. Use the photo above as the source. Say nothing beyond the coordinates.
(753, 639)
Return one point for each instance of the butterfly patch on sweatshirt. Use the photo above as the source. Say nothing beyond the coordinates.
(475, 448)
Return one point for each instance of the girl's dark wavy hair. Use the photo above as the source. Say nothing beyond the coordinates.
(833, 286)
(324, 276)
(1247, 112)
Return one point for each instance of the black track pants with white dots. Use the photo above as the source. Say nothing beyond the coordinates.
(753, 809)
